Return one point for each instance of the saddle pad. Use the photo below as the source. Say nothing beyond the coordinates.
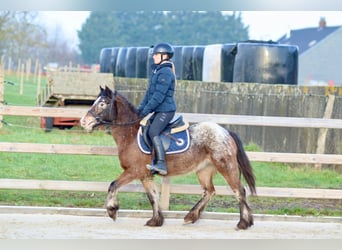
(179, 143)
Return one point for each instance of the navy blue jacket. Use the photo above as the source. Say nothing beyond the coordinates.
(159, 96)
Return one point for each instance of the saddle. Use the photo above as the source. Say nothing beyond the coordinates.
(175, 137)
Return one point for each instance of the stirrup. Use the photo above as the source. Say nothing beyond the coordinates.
(155, 170)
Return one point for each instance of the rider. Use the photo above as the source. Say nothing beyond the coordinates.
(159, 98)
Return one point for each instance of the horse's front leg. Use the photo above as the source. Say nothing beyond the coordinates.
(157, 219)
(112, 203)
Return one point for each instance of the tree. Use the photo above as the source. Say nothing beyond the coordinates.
(98, 31)
(58, 50)
(20, 36)
(134, 29)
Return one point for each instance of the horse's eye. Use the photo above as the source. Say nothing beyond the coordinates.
(102, 104)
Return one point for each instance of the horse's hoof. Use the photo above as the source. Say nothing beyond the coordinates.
(155, 222)
(112, 212)
(187, 222)
(242, 225)
(190, 218)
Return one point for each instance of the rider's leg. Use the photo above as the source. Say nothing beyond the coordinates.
(158, 124)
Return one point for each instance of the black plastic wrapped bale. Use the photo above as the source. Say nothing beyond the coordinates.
(130, 66)
(266, 63)
(197, 62)
(187, 63)
(121, 62)
(105, 60)
(141, 62)
(177, 61)
(149, 62)
(212, 63)
(227, 62)
(115, 52)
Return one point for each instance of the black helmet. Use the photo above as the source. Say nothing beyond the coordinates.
(163, 48)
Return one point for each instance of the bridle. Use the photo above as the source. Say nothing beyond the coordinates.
(108, 112)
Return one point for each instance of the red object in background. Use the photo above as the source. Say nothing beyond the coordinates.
(49, 122)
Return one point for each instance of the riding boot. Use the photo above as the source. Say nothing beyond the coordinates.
(160, 165)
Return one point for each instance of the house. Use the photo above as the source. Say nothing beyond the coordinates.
(320, 54)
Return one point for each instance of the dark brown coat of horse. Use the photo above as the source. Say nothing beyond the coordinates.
(213, 149)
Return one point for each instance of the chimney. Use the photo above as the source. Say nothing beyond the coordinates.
(322, 23)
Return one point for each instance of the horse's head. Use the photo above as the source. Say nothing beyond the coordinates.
(101, 112)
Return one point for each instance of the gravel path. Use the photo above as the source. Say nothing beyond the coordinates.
(64, 224)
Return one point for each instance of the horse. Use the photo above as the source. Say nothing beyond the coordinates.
(212, 149)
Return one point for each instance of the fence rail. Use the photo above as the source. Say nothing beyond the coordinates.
(271, 121)
(92, 186)
(166, 188)
(110, 151)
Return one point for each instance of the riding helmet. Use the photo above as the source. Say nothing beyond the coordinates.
(163, 48)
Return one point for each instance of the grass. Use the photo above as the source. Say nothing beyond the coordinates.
(106, 168)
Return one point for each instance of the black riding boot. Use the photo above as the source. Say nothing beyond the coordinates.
(160, 165)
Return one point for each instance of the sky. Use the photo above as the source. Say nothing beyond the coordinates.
(263, 25)
(271, 25)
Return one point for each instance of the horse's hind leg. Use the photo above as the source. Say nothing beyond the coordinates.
(231, 173)
(246, 217)
(157, 219)
(205, 177)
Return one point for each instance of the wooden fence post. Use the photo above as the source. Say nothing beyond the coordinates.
(19, 67)
(35, 73)
(38, 79)
(2, 89)
(28, 68)
(322, 135)
(22, 79)
(165, 193)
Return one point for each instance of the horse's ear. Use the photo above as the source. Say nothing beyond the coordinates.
(108, 91)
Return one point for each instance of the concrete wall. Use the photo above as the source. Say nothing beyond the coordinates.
(259, 100)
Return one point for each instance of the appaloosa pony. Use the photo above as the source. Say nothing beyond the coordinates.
(212, 149)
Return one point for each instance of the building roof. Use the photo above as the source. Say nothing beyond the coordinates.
(308, 37)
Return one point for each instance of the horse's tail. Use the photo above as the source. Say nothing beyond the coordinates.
(244, 163)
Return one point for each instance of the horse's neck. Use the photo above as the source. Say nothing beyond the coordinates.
(124, 135)
(126, 127)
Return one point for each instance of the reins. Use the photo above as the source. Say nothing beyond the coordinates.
(124, 124)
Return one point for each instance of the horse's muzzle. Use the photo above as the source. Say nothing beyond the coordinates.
(88, 123)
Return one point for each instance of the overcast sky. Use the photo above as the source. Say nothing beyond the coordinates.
(263, 25)
(271, 25)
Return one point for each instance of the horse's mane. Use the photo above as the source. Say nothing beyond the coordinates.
(124, 100)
